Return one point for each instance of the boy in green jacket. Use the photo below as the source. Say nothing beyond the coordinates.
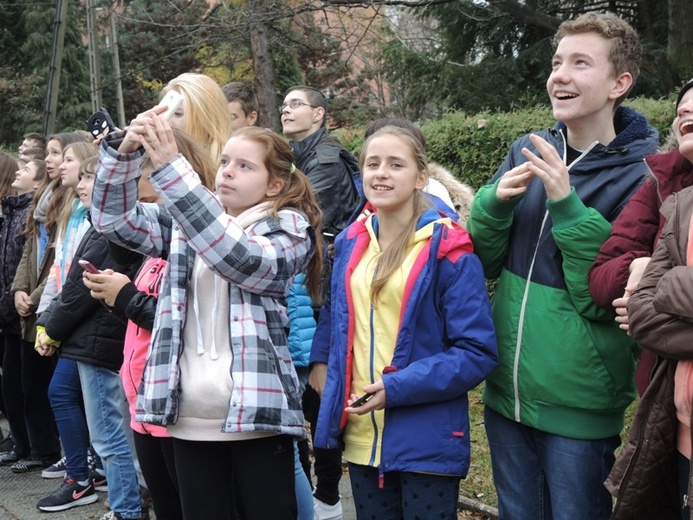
(556, 401)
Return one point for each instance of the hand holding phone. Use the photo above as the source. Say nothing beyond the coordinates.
(88, 266)
(173, 100)
(362, 400)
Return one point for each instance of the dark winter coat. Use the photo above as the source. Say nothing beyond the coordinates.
(15, 209)
(318, 156)
(644, 479)
(88, 330)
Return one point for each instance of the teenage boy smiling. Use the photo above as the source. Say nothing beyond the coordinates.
(555, 403)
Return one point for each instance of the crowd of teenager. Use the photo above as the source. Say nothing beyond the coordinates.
(195, 310)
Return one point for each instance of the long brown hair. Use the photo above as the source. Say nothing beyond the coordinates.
(8, 173)
(296, 193)
(60, 208)
(58, 193)
(392, 257)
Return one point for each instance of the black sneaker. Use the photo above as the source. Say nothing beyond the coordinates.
(28, 464)
(8, 458)
(6, 444)
(100, 482)
(70, 494)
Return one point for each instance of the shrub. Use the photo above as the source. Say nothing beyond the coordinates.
(473, 146)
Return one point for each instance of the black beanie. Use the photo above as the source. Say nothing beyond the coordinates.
(683, 91)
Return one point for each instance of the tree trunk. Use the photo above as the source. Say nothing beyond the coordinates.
(262, 63)
(680, 42)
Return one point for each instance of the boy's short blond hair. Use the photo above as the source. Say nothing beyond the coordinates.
(626, 51)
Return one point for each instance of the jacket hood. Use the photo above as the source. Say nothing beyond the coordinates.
(452, 245)
(664, 166)
(462, 194)
(634, 138)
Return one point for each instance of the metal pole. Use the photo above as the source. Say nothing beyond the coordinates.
(116, 72)
(53, 88)
(94, 61)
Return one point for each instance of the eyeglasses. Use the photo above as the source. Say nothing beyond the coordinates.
(294, 104)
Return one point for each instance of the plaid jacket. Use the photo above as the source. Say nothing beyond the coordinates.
(259, 264)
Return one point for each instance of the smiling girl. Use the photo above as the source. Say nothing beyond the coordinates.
(411, 326)
(219, 374)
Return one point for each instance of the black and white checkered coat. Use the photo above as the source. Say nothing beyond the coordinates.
(259, 263)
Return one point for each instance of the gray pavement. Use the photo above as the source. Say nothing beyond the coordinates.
(19, 494)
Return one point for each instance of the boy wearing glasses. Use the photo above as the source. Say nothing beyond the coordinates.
(320, 156)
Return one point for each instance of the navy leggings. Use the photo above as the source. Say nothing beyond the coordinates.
(404, 495)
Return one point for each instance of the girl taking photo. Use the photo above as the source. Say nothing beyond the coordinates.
(219, 375)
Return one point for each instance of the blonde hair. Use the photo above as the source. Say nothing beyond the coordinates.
(296, 193)
(207, 118)
(82, 151)
(391, 258)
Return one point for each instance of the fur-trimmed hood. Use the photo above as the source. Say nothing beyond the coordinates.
(461, 194)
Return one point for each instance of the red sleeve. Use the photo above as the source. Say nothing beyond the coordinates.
(633, 235)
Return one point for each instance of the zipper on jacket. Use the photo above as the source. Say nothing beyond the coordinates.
(525, 296)
(520, 322)
(374, 447)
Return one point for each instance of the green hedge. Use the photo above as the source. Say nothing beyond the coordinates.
(474, 146)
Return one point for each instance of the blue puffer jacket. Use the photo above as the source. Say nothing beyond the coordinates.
(445, 346)
(302, 321)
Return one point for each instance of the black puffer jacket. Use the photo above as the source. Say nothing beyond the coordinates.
(88, 330)
(318, 156)
(12, 239)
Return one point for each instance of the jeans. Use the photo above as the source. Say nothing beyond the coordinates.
(540, 475)
(103, 394)
(65, 394)
(404, 495)
(25, 387)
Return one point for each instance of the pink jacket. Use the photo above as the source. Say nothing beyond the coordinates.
(137, 339)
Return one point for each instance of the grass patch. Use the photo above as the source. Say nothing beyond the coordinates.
(479, 482)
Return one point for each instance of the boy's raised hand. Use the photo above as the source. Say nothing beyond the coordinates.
(549, 167)
(514, 182)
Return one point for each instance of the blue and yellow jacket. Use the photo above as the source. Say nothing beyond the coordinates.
(445, 346)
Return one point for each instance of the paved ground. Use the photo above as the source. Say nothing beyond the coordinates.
(19, 494)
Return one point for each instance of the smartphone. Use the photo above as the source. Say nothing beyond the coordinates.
(88, 266)
(362, 400)
(100, 121)
(172, 100)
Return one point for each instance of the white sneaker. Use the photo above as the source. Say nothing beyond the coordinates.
(326, 512)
